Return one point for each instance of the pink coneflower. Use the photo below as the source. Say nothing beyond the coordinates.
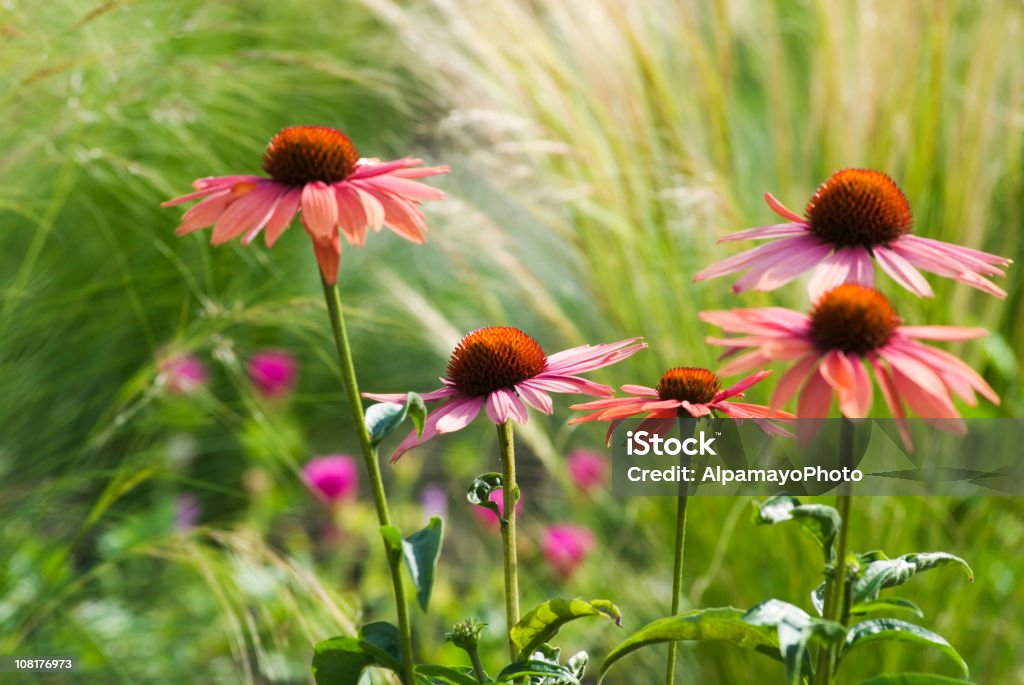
(487, 517)
(333, 479)
(850, 325)
(589, 470)
(502, 369)
(566, 547)
(273, 372)
(183, 374)
(854, 216)
(682, 391)
(317, 170)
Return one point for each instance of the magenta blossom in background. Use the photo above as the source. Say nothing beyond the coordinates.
(589, 470)
(566, 547)
(183, 374)
(501, 370)
(434, 501)
(273, 372)
(333, 479)
(186, 511)
(487, 517)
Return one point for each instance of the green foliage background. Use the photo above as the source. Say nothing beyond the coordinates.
(598, 150)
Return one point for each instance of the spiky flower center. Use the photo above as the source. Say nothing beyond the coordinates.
(859, 207)
(690, 384)
(852, 319)
(302, 154)
(492, 358)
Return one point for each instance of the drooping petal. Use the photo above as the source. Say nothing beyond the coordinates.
(399, 397)
(848, 378)
(696, 409)
(503, 404)
(319, 210)
(641, 390)
(371, 208)
(948, 333)
(351, 216)
(761, 321)
(956, 374)
(591, 357)
(744, 260)
(284, 212)
(328, 256)
(892, 398)
(403, 218)
(902, 271)
(569, 384)
(272, 194)
(815, 398)
(773, 273)
(205, 213)
(453, 415)
(538, 399)
(746, 362)
(209, 186)
(794, 377)
(925, 404)
(389, 183)
(943, 259)
(250, 211)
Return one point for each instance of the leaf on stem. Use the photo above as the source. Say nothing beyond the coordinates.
(795, 629)
(422, 550)
(822, 522)
(480, 490)
(384, 417)
(541, 624)
(914, 679)
(343, 659)
(891, 629)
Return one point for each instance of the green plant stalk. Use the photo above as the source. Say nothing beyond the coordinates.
(478, 668)
(509, 491)
(682, 499)
(380, 500)
(836, 605)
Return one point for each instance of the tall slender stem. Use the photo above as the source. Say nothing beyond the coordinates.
(686, 424)
(380, 500)
(835, 608)
(510, 493)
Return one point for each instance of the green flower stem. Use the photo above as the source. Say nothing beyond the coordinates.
(686, 424)
(836, 596)
(510, 493)
(478, 668)
(370, 459)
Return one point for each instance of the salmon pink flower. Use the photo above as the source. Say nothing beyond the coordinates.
(273, 372)
(682, 391)
(848, 327)
(566, 547)
(333, 479)
(855, 216)
(589, 470)
(501, 369)
(315, 170)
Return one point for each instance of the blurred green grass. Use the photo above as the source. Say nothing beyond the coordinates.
(598, 150)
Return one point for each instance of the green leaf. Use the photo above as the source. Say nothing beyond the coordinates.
(552, 674)
(724, 624)
(339, 660)
(542, 623)
(480, 492)
(384, 417)
(891, 629)
(914, 679)
(876, 606)
(383, 642)
(821, 521)
(882, 573)
(795, 629)
(422, 550)
(447, 675)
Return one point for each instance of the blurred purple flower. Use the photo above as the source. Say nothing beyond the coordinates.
(565, 548)
(183, 374)
(434, 501)
(186, 511)
(487, 517)
(273, 372)
(589, 470)
(333, 478)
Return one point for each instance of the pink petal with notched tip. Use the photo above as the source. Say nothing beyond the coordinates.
(351, 215)
(902, 271)
(791, 381)
(776, 272)
(319, 210)
(924, 404)
(815, 397)
(503, 405)
(852, 385)
(966, 270)
(762, 321)
(284, 212)
(248, 212)
(957, 375)
(451, 416)
(372, 208)
(569, 384)
(926, 380)
(746, 362)
(748, 258)
(403, 218)
(273, 193)
(696, 410)
(328, 256)
(892, 398)
(591, 357)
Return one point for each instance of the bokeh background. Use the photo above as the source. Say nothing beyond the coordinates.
(163, 533)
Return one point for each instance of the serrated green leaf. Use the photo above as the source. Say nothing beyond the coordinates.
(891, 629)
(422, 550)
(480, 491)
(795, 629)
(542, 623)
(578, 663)
(446, 675)
(877, 575)
(339, 660)
(384, 417)
(875, 606)
(914, 679)
(821, 521)
(724, 624)
(553, 674)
